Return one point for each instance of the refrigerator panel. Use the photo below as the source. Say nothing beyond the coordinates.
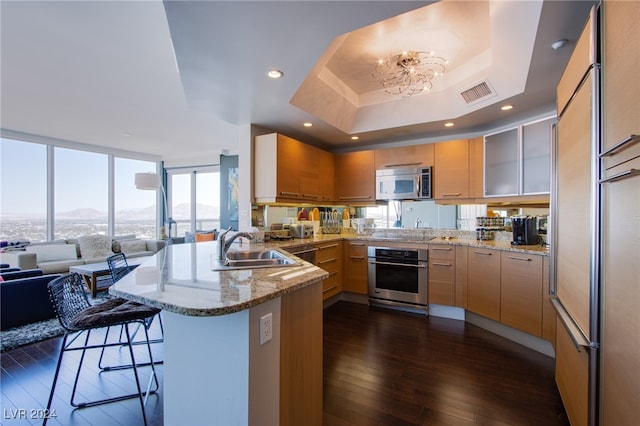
(573, 209)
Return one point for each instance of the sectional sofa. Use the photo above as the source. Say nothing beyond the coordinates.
(56, 257)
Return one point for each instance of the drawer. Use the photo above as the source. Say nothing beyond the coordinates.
(442, 270)
(331, 264)
(443, 252)
(328, 251)
(332, 285)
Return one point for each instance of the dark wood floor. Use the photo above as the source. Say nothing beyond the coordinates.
(381, 367)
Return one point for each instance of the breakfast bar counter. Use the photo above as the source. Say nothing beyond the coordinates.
(233, 338)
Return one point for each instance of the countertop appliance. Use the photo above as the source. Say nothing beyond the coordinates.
(298, 230)
(409, 183)
(398, 276)
(525, 230)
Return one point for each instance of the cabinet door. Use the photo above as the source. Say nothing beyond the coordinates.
(355, 177)
(536, 157)
(501, 164)
(326, 173)
(483, 286)
(462, 260)
(288, 167)
(405, 156)
(451, 170)
(355, 270)
(572, 377)
(476, 168)
(521, 292)
(308, 173)
(548, 312)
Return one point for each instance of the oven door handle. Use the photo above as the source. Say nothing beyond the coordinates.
(373, 262)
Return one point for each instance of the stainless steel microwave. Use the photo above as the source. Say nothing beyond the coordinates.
(403, 184)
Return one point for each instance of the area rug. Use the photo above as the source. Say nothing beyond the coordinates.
(35, 332)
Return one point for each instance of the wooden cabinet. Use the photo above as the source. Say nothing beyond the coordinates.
(355, 178)
(355, 267)
(288, 170)
(483, 285)
(442, 274)
(572, 377)
(405, 156)
(451, 170)
(462, 267)
(521, 291)
(476, 168)
(329, 258)
(548, 312)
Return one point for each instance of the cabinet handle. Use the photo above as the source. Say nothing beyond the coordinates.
(356, 257)
(356, 197)
(441, 264)
(524, 259)
(322, 262)
(310, 196)
(329, 246)
(620, 146)
(483, 253)
(580, 341)
(330, 288)
(441, 249)
(404, 164)
(629, 173)
(357, 244)
(289, 193)
(453, 194)
(332, 273)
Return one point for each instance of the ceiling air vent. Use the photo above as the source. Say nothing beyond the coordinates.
(477, 92)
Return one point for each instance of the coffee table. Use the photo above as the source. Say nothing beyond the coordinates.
(94, 273)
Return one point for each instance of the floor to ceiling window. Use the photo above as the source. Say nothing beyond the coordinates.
(57, 190)
(194, 195)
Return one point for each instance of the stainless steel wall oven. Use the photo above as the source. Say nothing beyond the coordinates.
(398, 276)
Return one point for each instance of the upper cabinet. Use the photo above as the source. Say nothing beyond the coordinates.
(286, 170)
(518, 161)
(405, 156)
(326, 175)
(355, 178)
(451, 170)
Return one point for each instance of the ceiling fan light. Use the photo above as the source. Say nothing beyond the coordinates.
(409, 72)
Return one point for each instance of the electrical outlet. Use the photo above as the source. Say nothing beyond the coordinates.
(266, 328)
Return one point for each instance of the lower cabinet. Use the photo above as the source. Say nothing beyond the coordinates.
(572, 376)
(483, 286)
(521, 291)
(442, 274)
(355, 268)
(329, 258)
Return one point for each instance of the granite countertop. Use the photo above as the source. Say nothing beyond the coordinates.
(179, 279)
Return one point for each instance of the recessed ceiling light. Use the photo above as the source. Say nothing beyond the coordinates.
(506, 107)
(355, 138)
(449, 124)
(274, 73)
(307, 124)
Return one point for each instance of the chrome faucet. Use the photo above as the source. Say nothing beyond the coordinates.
(418, 222)
(224, 244)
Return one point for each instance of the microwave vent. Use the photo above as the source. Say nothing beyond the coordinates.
(477, 92)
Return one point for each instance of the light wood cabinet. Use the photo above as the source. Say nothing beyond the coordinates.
(355, 178)
(462, 267)
(521, 291)
(355, 267)
(451, 170)
(329, 258)
(442, 274)
(483, 285)
(326, 176)
(572, 377)
(405, 156)
(548, 312)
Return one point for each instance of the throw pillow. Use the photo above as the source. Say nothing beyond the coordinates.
(53, 252)
(133, 246)
(95, 246)
(204, 237)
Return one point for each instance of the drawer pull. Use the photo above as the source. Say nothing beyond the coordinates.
(315, 197)
(295, 194)
(329, 246)
(322, 262)
(357, 244)
(629, 173)
(356, 197)
(332, 273)
(441, 264)
(330, 288)
(441, 249)
(524, 259)
(620, 146)
(356, 257)
(403, 164)
(483, 253)
(453, 194)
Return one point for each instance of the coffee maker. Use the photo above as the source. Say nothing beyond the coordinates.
(525, 230)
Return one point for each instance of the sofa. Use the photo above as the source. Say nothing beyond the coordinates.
(25, 300)
(56, 257)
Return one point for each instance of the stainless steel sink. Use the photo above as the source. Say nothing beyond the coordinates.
(253, 259)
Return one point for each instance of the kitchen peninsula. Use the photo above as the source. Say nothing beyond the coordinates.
(215, 368)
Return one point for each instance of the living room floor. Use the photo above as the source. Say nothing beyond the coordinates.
(381, 367)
